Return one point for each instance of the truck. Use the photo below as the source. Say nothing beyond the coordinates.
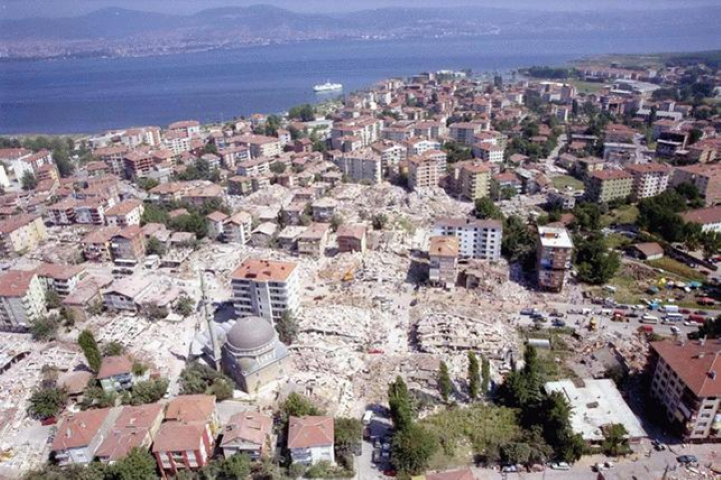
(649, 319)
(669, 308)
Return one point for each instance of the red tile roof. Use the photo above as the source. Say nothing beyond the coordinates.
(191, 409)
(703, 216)
(113, 366)
(15, 283)
(307, 432)
(697, 363)
(251, 427)
(78, 430)
(178, 437)
(131, 430)
(264, 270)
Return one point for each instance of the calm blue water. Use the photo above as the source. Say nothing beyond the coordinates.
(90, 95)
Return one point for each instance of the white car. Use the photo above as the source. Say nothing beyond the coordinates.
(559, 466)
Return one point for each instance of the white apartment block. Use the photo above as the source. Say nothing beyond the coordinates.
(22, 300)
(649, 179)
(265, 288)
(479, 239)
(361, 166)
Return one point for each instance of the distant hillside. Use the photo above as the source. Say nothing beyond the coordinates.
(116, 31)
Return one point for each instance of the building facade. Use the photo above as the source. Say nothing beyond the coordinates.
(479, 239)
(265, 288)
(555, 252)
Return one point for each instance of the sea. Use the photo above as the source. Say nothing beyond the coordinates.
(74, 96)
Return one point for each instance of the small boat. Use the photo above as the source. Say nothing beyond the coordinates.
(327, 87)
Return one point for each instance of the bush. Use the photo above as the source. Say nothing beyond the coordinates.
(47, 403)
(44, 329)
(149, 392)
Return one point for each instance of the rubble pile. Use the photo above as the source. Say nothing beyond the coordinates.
(440, 333)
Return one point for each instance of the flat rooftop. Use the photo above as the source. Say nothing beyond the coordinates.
(596, 403)
(555, 237)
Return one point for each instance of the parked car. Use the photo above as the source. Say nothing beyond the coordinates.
(559, 466)
(687, 459)
(510, 469)
(658, 446)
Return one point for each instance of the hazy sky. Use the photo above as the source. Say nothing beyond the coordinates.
(31, 8)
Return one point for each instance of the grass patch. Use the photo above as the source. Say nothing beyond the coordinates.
(621, 215)
(677, 268)
(617, 241)
(465, 432)
(587, 87)
(567, 181)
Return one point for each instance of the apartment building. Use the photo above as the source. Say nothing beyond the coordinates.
(22, 300)
(137, 164)
(265, 288)
(426, 171)
(465, 132)
(113, 157)
(237, 228)
(366, 130)
(189, 127)
(361, 166)
(97, 244)
(419, 146)
(707, 179)
(391, 154)
(128, 246)
(608, 185)
(62, 279)
(260, 145)
(479, 239)
(125, 213)
(649, 179)
(554, 255)
(488, 152)
(91, 211)
(443, 261)
(63, 212)
(352, 238)
(471, 180)
(20, 234)
(686, 383)
(314, 239)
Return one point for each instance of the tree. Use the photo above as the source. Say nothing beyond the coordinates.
(380, 220)
(277, 167)
(348, 433)
(185, 306)
(400, 404)
(28, 181)
(149, 391)
(304, 113)
(473, 375)
(155, 247)
(52, 300)
(235, 467)
(457, 152)
(222, 389)
(47, 403)
(515, 453)
(287, 327)
(335, 222)
(154, 214)
(63, 163)
(95, 396)
(412, 449)
(139, 464)
(296, 405)
(596, 264)
(87, 343)
(198, 378)
(485, 208)
(615, 442)
(113, 349)
(518, 243)
(445, 384)
(44, 329)
(485, 375)
(711, 328)
(211, 148)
